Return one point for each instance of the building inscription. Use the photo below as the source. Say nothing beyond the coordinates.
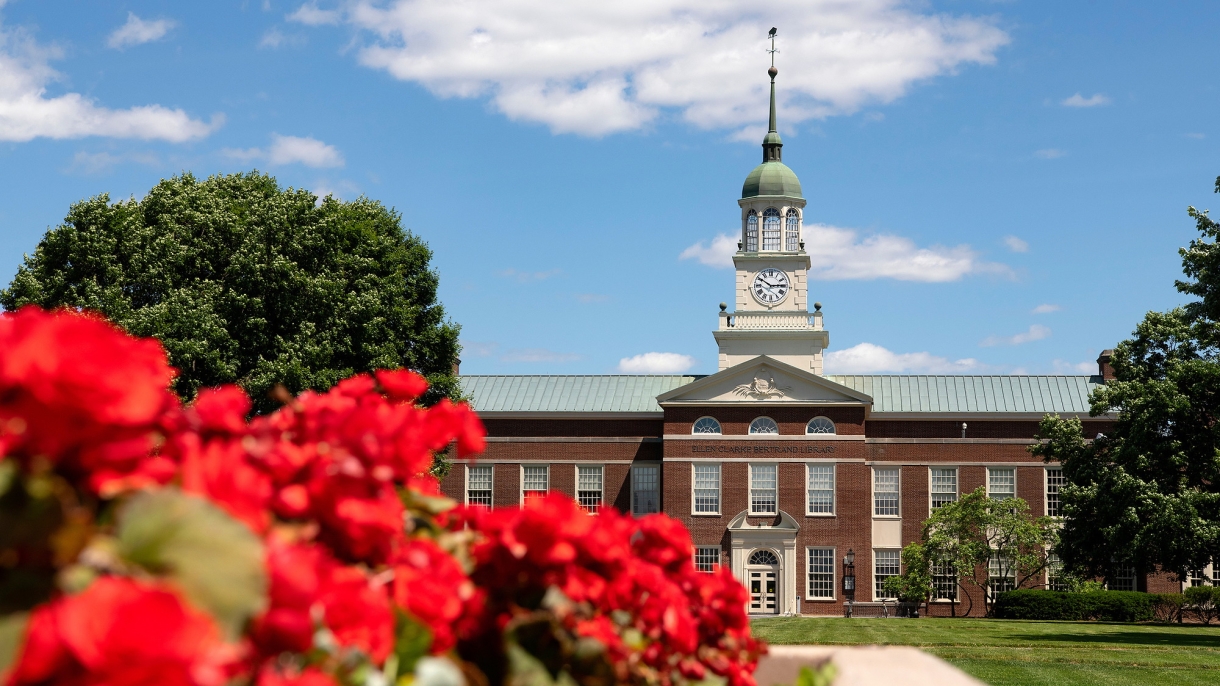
(762, 449)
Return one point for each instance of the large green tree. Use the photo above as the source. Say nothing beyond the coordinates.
(1147, 494)
(247, 282)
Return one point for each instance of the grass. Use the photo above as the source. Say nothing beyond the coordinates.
(1020, 653)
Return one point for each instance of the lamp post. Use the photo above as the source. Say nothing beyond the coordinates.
(849, 575)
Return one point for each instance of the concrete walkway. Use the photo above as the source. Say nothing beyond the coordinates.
(862, 666)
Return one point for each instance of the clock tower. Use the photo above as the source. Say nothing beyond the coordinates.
(771, 311)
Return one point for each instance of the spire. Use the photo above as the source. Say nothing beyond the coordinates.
(771, 143)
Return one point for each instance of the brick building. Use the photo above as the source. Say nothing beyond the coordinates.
(777, 469)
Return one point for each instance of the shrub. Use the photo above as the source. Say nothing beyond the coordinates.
(1203, 602)
(1110, 606)
(1167, 607)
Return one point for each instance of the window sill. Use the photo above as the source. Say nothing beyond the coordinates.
(820, 600)
(762, 514)
(888, 517)
(706, 514)
(824, 515)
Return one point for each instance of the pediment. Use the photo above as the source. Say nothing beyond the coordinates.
(764, 380)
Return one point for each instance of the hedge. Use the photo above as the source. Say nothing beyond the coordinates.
(1109, 606)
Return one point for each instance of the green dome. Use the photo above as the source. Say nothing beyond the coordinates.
(771, 178)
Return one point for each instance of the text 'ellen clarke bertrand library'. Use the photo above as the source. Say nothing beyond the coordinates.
(778, 470)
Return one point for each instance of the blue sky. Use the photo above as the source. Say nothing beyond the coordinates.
(993, 187)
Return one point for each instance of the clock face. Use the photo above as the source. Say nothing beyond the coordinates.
(770, 286)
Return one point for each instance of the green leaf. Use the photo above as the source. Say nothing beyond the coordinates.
(217, 561)
(12, 631)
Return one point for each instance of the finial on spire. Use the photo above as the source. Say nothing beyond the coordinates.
(772, 143)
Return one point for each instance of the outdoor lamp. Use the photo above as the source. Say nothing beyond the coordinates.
(849, 574)
(850, 560)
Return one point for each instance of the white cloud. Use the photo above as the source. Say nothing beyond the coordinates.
(538, 355)
(478, 348)
(837, 254)
(867, 358)
(26, 112)
(1079, 100)
(526, 277)
(1036, 332)
(656, 363)
(1065, 367)
(1046, 308)
(1049, 153)
(1016, 244)
(310, 152)
(101, 162)
(274, 38)
(137, 32)
(594, 68)
(310, 15)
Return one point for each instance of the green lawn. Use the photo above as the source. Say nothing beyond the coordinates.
(1011, 652)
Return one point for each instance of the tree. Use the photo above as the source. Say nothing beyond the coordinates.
(981, 541)
(1147, 494)
(246, 282)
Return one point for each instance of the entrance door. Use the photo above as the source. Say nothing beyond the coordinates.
(762, 592)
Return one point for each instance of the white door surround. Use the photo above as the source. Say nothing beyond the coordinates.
(752, 546)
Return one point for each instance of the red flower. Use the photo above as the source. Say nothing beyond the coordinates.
(120, 631)
(79, 392)
(270, 676)
(430, 585)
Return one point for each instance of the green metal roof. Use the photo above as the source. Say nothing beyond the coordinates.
(890, 393)
(772, 178)
(611, 393)
(951, 393)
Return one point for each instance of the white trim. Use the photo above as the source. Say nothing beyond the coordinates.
(755, 436)
(834, 575)
(521, 494)
(719, 556)
(719, 492)
(872, 505)
(631, 484)
(492, 484)
(750, 488)
(1046, 489)
(957, 481)
(601, 501)
(834, 491)
(873, 573)
(1014, 479)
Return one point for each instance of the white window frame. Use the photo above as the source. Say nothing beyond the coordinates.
(1054, 573)
(834, 429)
(778, 228)
(897, 492)
(774, 466)
(957, 485)
(705, 549)
(878, 593)
(601, 493)
(490, 482)
(719, 428)
(752, 237)
(1046, 491)
(547, 467)
(694, 489)
(991, 471)
(635, 467)
(994, 563)
(834, 579)
(834, 482)
(750, 429)
(1114, 577)
(936, 588)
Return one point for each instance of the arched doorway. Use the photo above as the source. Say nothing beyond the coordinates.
(762, 570)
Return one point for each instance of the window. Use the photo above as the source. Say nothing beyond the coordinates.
(534, 480)
(792, 234)
(645, 489)
(707, 558)
(764, 425)
(821, 488)
(706, 425)
(763, 488)
(885, 492)
(752, 232)
(1054, 481)
(1001, 573)
(820, 425)
(707, 489)
(1055, 579)
(1002, 483)
(1122, 578)
(1208, 576)
(885, 565)
(478, 485)
(944, 581)
(763, 557)
(589, 486)
(944, 486)
(770, 237)
(821, 573)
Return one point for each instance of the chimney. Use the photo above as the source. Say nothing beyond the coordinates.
(1104, 370)
(457, 366)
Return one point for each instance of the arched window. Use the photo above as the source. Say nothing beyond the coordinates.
(752, 232)
(706, 425)
(770, 229)
(764, 425)
(820, 425)
(763, 557)
(792, 233)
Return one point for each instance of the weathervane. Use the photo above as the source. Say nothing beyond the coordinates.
(772, 50)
